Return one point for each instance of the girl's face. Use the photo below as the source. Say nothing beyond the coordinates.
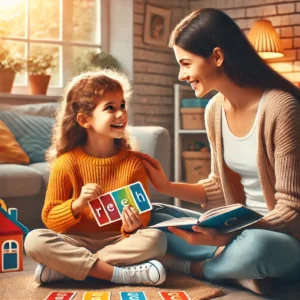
(110, 117)
(199, 72)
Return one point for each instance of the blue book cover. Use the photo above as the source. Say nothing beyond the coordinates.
(224, 219)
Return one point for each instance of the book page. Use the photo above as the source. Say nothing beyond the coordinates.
(176, 222)
(219, 210)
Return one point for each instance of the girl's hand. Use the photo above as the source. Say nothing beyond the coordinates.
(155, 172)
(204, 236)
(131, 219)
(90, 191)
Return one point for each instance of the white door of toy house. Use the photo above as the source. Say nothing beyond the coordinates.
(10, 255)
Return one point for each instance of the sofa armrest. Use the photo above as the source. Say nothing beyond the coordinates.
(155, 141)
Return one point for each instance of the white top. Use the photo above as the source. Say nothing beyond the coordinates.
(240, 156)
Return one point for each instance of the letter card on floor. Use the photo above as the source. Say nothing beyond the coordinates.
(133, 296)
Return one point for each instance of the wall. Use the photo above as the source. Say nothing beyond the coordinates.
(120, 35)
(155, 69)
(285, 17)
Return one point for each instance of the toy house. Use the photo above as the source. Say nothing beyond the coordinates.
(12, 233)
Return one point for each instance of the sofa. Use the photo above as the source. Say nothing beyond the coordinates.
(24, 186)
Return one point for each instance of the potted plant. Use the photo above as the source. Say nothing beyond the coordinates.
(9, 66)
(96, 60)
(39, 68)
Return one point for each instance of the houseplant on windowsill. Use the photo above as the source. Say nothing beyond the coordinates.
(9, 66)
(96, 60)
(39, 68)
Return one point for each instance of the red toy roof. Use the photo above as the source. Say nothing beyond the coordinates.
(8, 227)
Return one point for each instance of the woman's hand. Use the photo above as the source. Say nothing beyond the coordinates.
(130, 219)
(155, 172)
(203, 236)
(90, 191)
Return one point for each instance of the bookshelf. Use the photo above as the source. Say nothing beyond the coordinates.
(181, 136)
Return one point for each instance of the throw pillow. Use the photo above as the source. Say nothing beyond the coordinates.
(32, 133)
(10, 151)
(35, 109)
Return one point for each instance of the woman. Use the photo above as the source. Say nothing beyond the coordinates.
(253, 125)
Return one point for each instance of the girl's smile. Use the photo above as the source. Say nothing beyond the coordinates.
(118, 126)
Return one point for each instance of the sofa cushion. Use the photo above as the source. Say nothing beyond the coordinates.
(43, 168)
(32, 133)
(10, 150)
(19, 181)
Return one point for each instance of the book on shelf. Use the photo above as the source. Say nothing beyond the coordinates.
(224, 219)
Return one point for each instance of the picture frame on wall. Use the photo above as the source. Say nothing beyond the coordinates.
(157, 26)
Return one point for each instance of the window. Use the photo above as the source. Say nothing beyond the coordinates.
(10, 247)
(66, 29)
(10, 255)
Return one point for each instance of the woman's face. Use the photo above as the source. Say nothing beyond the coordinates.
(201, 73)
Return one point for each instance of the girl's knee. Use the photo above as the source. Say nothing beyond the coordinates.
(158, 241)
(35, 241)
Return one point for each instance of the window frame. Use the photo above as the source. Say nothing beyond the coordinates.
(64, 62)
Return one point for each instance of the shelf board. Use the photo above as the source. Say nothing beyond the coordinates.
(191, 131)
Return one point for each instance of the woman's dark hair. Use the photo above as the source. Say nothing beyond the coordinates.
(205, 29)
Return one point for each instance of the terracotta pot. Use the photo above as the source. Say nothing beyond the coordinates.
(7, 78)
(39, 84)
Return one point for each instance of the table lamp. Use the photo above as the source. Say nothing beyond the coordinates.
(265, 39)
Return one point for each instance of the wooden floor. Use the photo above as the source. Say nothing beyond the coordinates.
(283, 292)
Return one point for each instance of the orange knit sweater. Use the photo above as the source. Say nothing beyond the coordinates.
(74, 169)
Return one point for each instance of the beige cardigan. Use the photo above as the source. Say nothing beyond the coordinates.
(278, 160)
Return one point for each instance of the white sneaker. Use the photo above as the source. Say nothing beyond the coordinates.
(45, 275)
(151, 272)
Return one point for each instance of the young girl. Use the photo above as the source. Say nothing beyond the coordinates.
(253, 126)
(90, 156)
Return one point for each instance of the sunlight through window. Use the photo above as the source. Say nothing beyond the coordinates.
(67, 29)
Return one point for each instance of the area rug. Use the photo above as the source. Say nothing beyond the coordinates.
(24, 287)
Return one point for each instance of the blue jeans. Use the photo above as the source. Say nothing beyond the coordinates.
(254, 254)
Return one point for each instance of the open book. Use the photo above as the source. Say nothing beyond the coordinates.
(224, 219)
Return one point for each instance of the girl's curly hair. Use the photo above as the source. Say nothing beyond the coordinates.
(81, 95)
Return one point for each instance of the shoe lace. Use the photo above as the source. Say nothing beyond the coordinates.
(138, 274)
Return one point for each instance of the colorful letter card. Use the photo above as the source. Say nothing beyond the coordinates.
(61, 296)
(108, 207)
(133, 296)
(174, 295)
(96, 296)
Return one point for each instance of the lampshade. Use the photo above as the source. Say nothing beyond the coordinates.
(265, 39)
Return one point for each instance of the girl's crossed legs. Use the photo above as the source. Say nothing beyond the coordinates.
(79, 256)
